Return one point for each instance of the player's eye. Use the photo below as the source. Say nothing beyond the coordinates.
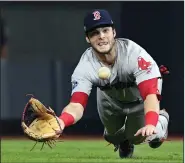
(94, 33)
(105, 30)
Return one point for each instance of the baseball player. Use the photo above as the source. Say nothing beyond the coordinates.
(128, 83)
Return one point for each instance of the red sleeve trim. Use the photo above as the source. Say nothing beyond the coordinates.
(151, 118)
(149, 87)
(80, 97)
(67, 118)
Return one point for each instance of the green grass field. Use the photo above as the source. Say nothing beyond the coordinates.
(86, 151)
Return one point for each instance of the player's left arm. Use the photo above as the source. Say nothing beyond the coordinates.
(149, 81)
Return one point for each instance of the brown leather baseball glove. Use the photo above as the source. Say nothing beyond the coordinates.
(40, 123)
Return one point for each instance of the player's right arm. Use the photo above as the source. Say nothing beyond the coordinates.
(72, 113)
(81, 88)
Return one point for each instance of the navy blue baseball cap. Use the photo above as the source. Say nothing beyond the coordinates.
(96, 18)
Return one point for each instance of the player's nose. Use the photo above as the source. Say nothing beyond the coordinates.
(101, 35)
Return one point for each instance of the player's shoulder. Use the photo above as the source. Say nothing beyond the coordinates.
(131, 48)
(129, 44)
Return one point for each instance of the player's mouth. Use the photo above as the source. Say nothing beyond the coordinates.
(102, 43)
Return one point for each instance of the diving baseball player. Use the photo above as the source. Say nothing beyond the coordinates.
(128, 83)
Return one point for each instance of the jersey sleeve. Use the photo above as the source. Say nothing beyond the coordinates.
(143, 66)
(81, 87)
(81, 82)
(146, 72)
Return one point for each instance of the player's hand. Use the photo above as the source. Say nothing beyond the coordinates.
(146, 131)
(62, 125)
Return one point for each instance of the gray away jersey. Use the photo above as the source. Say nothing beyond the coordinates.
(132, 66)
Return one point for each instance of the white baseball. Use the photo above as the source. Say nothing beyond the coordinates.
(104, 73)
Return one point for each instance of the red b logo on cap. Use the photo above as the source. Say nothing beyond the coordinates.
(97, 15)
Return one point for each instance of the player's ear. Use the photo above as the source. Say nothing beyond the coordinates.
(87, 39)
(114, 32)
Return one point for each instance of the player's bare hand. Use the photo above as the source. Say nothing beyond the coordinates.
(61, 123)
(146, 131)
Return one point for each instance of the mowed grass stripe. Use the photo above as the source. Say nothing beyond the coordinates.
(86, 151)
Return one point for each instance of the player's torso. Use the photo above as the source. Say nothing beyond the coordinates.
(121, 84)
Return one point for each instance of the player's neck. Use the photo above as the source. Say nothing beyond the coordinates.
(107, 59)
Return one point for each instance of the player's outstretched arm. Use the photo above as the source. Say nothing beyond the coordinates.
(151, 108)
(151, 103)
(149, 78)
(149, 81)
(72, 113)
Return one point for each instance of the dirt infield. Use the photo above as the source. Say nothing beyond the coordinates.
(86, 137)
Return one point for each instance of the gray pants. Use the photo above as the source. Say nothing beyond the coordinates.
(121, 121)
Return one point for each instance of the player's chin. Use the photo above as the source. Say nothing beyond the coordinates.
(103, 51)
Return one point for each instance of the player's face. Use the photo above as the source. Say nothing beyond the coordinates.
(102, 39)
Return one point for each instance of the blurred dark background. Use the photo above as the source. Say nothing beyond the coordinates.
(41, 43)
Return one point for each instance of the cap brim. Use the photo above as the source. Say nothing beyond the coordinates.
(99, 24)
